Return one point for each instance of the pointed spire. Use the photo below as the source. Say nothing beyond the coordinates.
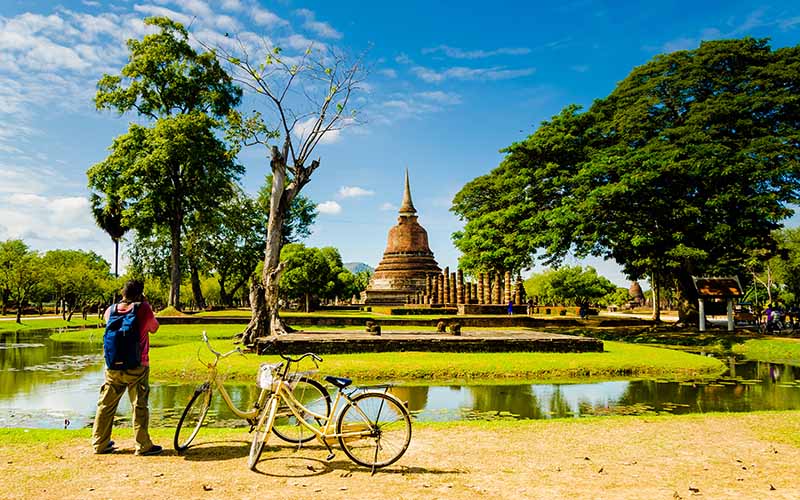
(407, 207)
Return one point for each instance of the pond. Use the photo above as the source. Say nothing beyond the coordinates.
(50, 384)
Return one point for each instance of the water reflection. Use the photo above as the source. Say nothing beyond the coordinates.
(45, 383)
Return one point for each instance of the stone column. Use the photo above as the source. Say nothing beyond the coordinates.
(453, 294)
(496, 297)
(518, 288)
(446, 276)
(475, 292)
(441, 289)
(428, 285)
(460, 287)
(481, 279)
(467, 287)
(509, 287)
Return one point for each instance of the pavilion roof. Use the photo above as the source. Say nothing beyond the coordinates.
(722, 287)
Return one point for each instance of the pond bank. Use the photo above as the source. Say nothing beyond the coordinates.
(714, 455)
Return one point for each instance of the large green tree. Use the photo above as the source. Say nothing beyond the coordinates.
(685, 169)
(21, 274)
(164, 173)
(76, 278)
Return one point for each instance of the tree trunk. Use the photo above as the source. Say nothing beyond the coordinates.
(175, 265)
(259, 319)
(19, 312)
(656, 298)
(223, 295)
(116, 258)
(308, 300)
(280, 199)
(197, 290)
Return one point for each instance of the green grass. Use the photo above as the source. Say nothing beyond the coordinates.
(179, 362)
(167, 335)
(50, 323)
(772, 350)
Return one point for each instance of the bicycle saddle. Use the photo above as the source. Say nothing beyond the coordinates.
(339, 382)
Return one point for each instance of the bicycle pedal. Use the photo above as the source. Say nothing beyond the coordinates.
(330, 457)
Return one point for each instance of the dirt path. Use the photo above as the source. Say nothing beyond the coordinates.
(719, 456)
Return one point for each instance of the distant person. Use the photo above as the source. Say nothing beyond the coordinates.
(126, 370)
(584, 311)
(769, 312)
(510, 307)
(529, 309)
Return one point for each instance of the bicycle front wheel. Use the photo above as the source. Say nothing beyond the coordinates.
(193, 417)
(375, 429)
(313, 396)
(261, 432)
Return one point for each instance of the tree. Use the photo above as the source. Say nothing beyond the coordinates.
(307, 273)
(164, 173)
(20, 274)
(302, 214)
(310, 96)
(79, 279)
(685, 169)
(568, 285)
(107, 212)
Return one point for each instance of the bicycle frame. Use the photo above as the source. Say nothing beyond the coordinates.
(325, 432)
(213, 381)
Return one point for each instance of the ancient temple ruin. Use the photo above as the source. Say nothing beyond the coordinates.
(407, 262)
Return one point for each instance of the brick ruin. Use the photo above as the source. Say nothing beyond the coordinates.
(409, 273)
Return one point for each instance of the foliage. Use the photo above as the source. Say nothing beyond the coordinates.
(618, 297)
(21, 274)
(785, 266)
(684, 169)
(78, 278)
(165, 173)
(568, 286)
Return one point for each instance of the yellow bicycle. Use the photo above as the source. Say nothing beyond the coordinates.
(303, 388)
(373, 428)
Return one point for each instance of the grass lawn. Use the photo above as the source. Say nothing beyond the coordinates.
(773, 350)
(176, 347)
(49, 323)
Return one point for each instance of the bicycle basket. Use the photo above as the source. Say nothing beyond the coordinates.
(267, 378)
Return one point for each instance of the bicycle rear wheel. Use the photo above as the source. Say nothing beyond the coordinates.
(314, 397)
(261, 432)
(384, 425)
(193, 417)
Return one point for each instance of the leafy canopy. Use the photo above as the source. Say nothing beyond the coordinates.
(684, 169)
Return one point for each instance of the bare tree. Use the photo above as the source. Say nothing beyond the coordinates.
(305, 98)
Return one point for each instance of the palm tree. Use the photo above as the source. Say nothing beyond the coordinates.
(108, 215)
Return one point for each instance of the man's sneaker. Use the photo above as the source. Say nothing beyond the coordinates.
(154, 450)
(108, 449)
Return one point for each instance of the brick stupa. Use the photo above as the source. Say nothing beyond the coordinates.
(406, 262)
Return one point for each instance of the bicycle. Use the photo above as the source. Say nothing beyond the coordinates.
(304, 389)
(373, 428)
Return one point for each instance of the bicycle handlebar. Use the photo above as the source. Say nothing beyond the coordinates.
(218, 354)
(315, 357)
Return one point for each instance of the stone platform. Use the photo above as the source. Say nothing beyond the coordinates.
(349, 342)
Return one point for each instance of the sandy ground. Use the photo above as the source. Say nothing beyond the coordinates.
(718, 456)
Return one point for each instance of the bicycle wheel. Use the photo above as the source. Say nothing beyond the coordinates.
(387, 422)
(313, 397)
(193, 417)
(261, 432)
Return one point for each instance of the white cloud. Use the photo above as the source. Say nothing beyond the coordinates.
(388, 73)
(329, 208)
(440, 97)
(55, 221)
(386, 207)
(354, 192)
(477, 74)
(403, 59)
(579, 68)
(303, 130)
(234, 5)
(264, 17)
(457, 53)
(322, 29)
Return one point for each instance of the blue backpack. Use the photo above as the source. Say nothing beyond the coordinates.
(121, 340)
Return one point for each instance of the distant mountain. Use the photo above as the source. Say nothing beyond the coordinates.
(357, 267)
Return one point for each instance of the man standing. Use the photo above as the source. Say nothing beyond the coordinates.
(135, 380)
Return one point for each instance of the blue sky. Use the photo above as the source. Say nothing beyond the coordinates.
(451, 84)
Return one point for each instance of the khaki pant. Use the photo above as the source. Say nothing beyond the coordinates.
(137, 382)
